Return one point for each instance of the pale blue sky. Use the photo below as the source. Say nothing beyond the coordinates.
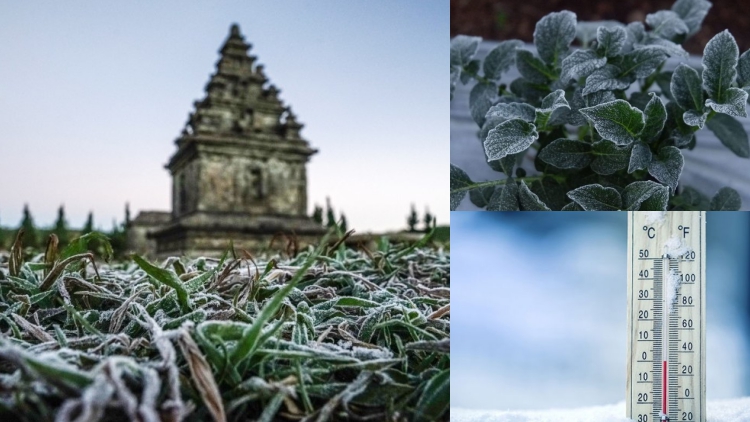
(93, 94)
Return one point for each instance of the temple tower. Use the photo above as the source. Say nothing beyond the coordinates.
(239, 170)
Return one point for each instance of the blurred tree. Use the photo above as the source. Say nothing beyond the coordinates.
(61, 229)
(31, 236)
(2, 238)
(330, 216)
(318, 214)
(89, 226)
(413, 219)
(342, 223)
(428, 220)
(127, 214)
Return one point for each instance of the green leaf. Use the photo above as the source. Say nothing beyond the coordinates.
(168, 278)
(553, 35)
(616, 121)
(552, 106)
(599, 97)
(666, 167)
(642, 62)
(640, 157)
(645, 195)
(686, 88)
(505, 198)
(719, 65)
(611, 40)
(606, 79)
(693, 199)
(529, 201)
(463, 49)
(609, 158)
(666, 24)
(435, 398)
(733, 105)
(480, 101)
(692, 13)
(596, 197)
(580, 64)
(727, 199)
(469, 71)
(455, 73)
(509, 137)
(567, 154)
(533, 69)
(481, 196)
(655, 117)
(731, 133)
(507, 111)
(743, 70)
(528, 91)
(80, 245)
(500, 59)
(459, 180)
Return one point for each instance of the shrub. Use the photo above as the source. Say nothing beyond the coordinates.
(601, 142)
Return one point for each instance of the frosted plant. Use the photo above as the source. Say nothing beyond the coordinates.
(606, 123)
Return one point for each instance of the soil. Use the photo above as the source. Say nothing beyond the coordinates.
(507, 19)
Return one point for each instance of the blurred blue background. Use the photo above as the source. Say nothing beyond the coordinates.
(539, 309)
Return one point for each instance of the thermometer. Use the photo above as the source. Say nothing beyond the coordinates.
(666, 378)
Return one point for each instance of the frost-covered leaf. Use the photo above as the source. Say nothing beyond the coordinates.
(636, 32)
(743, 70)
(687, 88)
(645, 195)
(529, 201)
(666, 24)
(505, 198)
(609, 158)
(509, 137)
(668, 47)
(586, 31)
(733, 105)
(695, 118)
(500, 59)
(553, 35)
(596, 197)
(580, 64)
(509, 111)
(575, 117)
(572, 206)
(642, 62)
(459, 180)
(692, 13)
(469, 71)
(463, 49)
(639, 100)
(726, 199)
(599, 97)
(480, 100)
(552, 105)
(567, 154)
(666, 167)
(616, 121)
(655, 117)
(455, 72)
(531, 68)
(606, 79)
(640, 157)
(719, 65)
(692, 199)
(550, 192)
(481, 196)
(611, 40)
(731, 133)
(527, 90)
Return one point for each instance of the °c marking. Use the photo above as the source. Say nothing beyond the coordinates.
(650, 231)
(685, 230)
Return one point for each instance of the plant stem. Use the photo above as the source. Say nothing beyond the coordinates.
(497, 183)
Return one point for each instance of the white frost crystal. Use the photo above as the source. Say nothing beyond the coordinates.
(675, 247)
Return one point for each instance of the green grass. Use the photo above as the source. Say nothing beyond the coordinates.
(329, 334)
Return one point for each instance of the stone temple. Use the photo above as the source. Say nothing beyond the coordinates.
(239, 170)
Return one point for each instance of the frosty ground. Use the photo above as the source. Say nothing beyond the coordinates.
(735, 410)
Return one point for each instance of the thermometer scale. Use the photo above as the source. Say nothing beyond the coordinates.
(666, 316)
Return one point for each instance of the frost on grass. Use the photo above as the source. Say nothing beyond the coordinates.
(338, 332)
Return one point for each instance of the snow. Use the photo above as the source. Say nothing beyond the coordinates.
(734, 410)
(675, 247)
(673, 285)
(655, 218)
